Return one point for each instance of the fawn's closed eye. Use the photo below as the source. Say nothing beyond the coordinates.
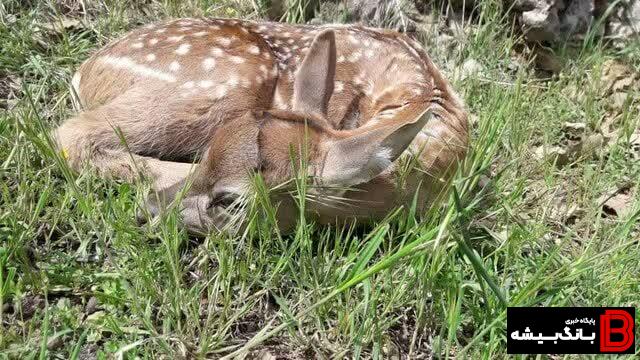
(223, 199)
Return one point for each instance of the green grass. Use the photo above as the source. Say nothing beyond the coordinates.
(78, 277)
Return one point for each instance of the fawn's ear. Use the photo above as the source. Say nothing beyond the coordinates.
(363, 156)
(313, 84)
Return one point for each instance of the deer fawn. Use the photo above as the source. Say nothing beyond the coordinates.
(240, 97)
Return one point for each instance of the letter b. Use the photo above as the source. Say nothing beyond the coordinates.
(626, 330)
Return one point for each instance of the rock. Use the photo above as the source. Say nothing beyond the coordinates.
(471, 68)
(60, 26)
(92, 305)
(88, 352)
(554, 20)
(54, 343)
(624, 23)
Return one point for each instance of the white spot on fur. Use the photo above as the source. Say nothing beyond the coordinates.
(137, 45)
(128, 64)
(205, 84)
(368, 87)
(237, 59)
(150, 57)
(224, 41)
(338, 86)
(341, 58)
(160, 31)
(220, 92)
(254, 50)
(200, 33)
(290, 41)
(217, 51)
(214, 27)
(153, 41)
(174, 66)
(188, 85)
(382, 158)
(278, 102)
(355, 56)
(175, 38)
(183, 49)
(208, 63)
(233, 81)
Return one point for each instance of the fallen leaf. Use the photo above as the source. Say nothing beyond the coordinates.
(59, 26)
(616, 76)
(618, 204)
(96, 316)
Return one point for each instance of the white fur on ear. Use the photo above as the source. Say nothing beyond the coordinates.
(382, 158)
(360, 158)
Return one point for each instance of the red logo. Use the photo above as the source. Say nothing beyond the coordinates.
(626, 330)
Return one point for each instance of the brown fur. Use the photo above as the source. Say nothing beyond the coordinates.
(235, 106)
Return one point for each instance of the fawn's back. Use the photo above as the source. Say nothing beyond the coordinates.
(184, 77)
(183, 87)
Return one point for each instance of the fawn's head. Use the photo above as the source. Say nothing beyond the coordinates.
(273, 143)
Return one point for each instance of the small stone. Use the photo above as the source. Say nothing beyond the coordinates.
(92, 305)
(471, 68)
